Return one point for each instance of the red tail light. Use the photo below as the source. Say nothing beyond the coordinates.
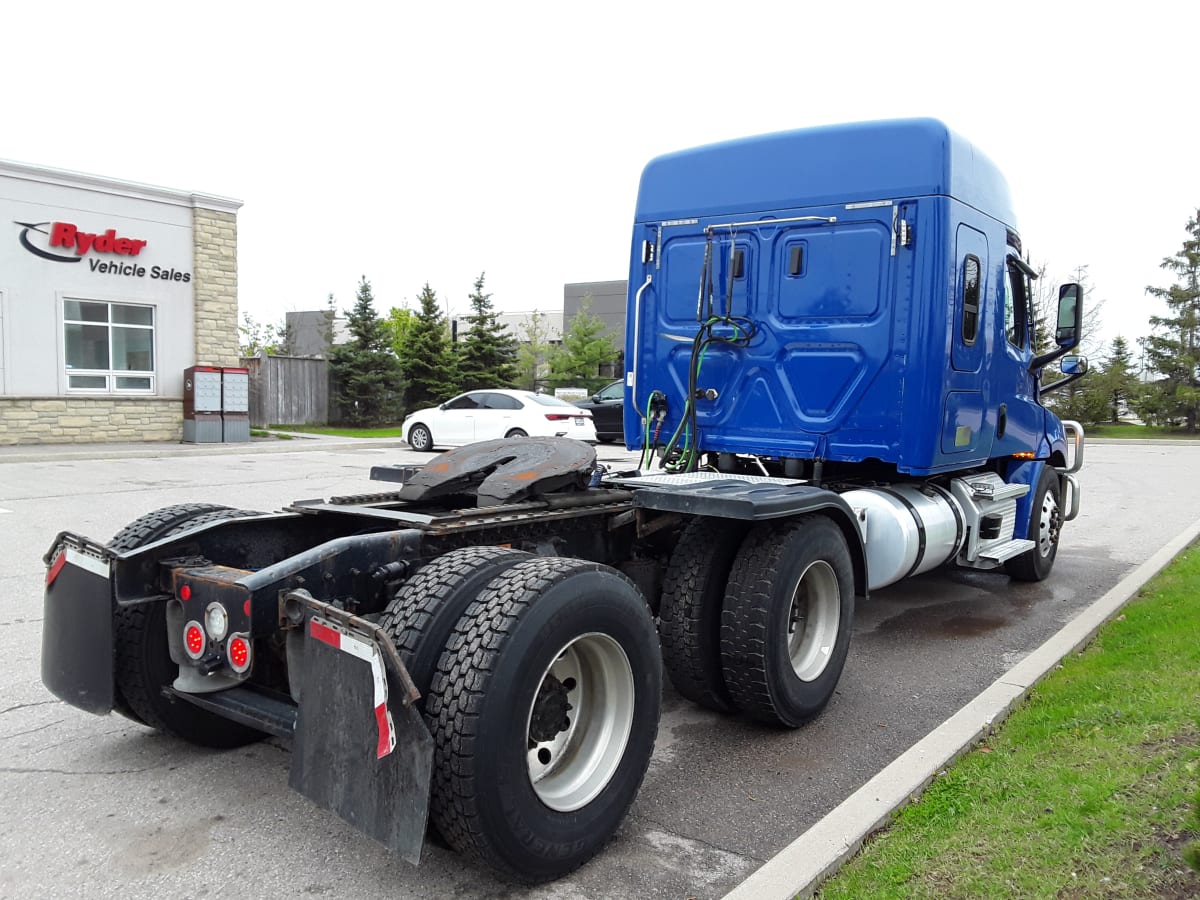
(557, 417)
(194, 640)
(239, 653)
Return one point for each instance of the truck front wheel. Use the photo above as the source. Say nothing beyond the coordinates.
(1045, 525)
(787, 619)
(143, 664)
(544, 712)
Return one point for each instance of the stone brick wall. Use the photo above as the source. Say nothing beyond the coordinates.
(79, 420)
(215, 279)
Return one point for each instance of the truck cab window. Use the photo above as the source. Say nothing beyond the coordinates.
(1016, 305)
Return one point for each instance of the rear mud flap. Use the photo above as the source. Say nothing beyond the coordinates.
(361, 749)
(77, 629)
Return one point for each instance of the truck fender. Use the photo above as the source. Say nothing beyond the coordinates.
(1027, 472)
(755, 501)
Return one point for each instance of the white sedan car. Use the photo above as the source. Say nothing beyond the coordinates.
(484, 415)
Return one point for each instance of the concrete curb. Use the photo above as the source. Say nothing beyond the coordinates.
(799, 869)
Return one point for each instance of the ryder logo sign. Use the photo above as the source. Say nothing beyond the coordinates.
(65, 242)
(69, 237)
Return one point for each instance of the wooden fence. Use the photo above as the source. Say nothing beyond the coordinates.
(286, 390)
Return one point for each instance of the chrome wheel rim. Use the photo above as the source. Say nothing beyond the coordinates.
(813, 620)
(1049, 524)
(579, 722)
(418, 439)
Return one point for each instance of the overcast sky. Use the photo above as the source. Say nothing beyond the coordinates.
(428, 142)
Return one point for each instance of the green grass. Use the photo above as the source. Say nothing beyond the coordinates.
(1140, 431)
(1088, 790)
(342, 432)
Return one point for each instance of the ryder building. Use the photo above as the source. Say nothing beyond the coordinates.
(108, 291)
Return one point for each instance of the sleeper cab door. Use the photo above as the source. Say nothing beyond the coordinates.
(966, 403)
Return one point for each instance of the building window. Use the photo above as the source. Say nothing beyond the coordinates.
(109, 347)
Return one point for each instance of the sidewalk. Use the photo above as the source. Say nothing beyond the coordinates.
(24, 453)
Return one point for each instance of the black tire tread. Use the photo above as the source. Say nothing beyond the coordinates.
(746, 618)
(689, 616)
(420, 603)
(141, 531)
(458, 690)
(152, 526)
(1029, 566)
(130, 625)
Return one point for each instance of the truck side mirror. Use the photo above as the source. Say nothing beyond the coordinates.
(1074, 365)
(1070, 316)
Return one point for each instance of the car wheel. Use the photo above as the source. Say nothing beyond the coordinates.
(517, 433)
(419, 438)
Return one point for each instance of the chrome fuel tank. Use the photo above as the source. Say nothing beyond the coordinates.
(907, 529)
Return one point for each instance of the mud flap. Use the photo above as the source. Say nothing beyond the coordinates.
(77, 629)
(361, 748)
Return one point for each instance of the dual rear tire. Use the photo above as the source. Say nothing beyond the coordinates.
(543, 704)
(758, 618)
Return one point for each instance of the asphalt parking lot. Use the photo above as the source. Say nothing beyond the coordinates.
(103, 807)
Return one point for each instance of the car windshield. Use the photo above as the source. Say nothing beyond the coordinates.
(547, 400)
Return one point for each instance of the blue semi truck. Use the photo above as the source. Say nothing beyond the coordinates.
(832, 377)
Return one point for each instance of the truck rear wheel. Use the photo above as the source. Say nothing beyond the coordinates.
(787, 619)
(544, 712)
(689, 617)
(426, 608)
(145, 530)
(143, 664)
(1045, 526)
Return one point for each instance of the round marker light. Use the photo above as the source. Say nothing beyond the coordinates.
(216, 620)
(239, 653)
(185, 593)
(193, 639)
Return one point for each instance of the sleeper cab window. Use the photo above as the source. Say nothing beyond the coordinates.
(970, 300)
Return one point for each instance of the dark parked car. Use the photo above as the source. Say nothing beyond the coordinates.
(608, 412)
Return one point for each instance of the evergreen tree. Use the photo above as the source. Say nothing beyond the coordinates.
(1173, 350)
(585, 347)
(487, 354)
(428, 360)
(365, 370)
(1118, 381)
(533, 352)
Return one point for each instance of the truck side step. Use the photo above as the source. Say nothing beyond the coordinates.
(1003, 552)
(264, 710)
